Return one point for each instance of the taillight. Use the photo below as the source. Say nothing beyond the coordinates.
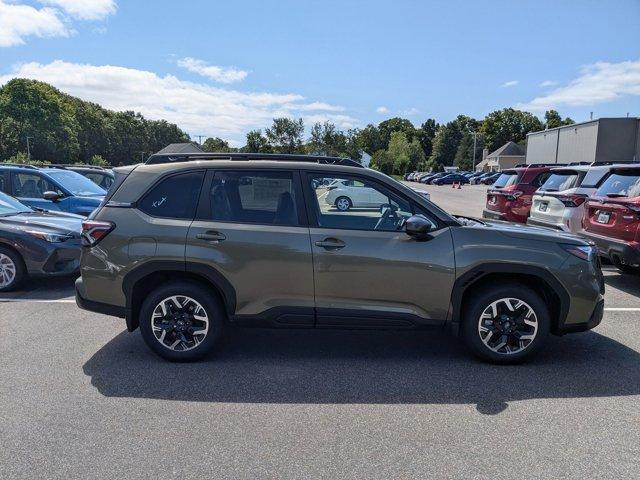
(93, 231)
(572, 200)
(511, 196)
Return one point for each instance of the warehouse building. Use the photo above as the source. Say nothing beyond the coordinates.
(601, 140)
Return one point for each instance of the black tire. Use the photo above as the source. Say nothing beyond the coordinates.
(349, 204)
(209, 302)
(481, 300)
(20, 269)
(623, 267)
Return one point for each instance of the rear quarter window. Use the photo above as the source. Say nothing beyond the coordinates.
(175, 196)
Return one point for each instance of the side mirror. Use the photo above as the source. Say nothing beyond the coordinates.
(52, 196)
(419, 227)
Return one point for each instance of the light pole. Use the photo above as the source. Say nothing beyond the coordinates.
(475, 138)
(28, 149)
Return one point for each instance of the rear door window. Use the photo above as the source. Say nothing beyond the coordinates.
(506, 180)
(258, 197)
(621, 185)
(558, 182)
(175, 196)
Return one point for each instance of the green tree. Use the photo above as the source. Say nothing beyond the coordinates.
(369, 139)
(464, 155)
(395, 124)
(508, 124)
(382, 161)
(553, 119)
(448, 138)
(285, 135)
(399, 151)
(257, 143)
(426, 134)
(98, 161)
(326, 139)
(216, 144)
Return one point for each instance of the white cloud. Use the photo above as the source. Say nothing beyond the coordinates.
(410, 111)
(382, 110)
(218, 74)
(198, 108)
(510, 83)
(599, 82)
(84, 9)
(20, 21)
(548, 83)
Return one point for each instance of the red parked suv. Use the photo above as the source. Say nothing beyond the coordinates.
(612, 218)
(510, 197)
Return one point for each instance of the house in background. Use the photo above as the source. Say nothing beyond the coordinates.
(507, 156)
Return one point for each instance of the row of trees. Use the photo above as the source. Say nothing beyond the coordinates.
(65, 129)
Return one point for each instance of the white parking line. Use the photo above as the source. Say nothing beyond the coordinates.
(71, 300)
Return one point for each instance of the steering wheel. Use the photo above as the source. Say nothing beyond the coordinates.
(388, 215)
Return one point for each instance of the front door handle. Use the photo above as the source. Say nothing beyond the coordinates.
(331, 244)
(212, 237)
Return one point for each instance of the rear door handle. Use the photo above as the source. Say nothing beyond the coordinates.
(331, 244)
(212, 237)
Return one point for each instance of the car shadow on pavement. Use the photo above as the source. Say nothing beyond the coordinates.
(44, 288)
(624, 282)
(343, 367)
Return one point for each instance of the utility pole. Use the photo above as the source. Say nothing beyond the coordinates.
(475, 138)
(199, 138)
(28, 148)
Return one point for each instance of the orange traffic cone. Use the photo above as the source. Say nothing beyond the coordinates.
(459, 185)
(453, 185)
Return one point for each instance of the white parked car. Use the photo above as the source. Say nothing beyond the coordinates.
(559, 203)
(346, 194)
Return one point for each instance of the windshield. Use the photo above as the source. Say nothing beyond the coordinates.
(11, 206)
(506, 180)
(558, 182)
(621, 185)
(76, 183)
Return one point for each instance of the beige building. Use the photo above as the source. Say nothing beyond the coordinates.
(507, 156)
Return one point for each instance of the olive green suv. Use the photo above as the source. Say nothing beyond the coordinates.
(186, 245)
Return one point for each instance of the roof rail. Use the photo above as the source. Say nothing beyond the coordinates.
(573, 164)
(72, 165)
(21, 165)
(157, 158)
(621, 163)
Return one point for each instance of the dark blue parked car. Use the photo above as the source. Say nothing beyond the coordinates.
(51, 189)
(451, 178)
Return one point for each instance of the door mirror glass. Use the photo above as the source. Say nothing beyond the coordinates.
(52, 196)
(419, 227)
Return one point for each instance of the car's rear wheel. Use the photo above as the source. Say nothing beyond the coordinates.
(623, 267)
(181, 321)
(343, 203)
(12, 270)
(505, 323)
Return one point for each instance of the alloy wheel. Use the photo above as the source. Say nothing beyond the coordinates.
(508, 326)
(179, 323)
(7, 270)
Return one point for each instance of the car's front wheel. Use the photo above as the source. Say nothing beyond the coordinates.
(181, 321)
(343, 203)
(12, 270)
(505, 323)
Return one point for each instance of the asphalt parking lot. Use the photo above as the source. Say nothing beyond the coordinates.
(82, 398)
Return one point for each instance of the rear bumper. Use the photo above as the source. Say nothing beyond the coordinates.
(493, 215)
(610, 247)
(539, 223)
(98, 307)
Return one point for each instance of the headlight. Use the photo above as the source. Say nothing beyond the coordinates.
(48, 236)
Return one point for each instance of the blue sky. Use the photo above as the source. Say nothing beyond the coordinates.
(223, 68)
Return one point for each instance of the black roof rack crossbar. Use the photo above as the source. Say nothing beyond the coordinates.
(190, 157)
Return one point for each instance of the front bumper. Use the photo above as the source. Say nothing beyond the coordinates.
(610, 247)
(43, 258)
(593, 322)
